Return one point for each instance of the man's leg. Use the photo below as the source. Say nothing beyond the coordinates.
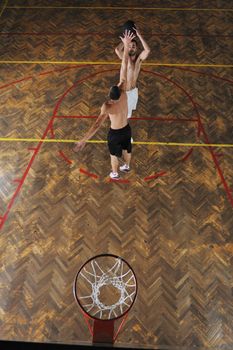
(129, 103)
(135, 99)
(112, 145)
(127, 148)
(132, 100)
(114, 163)
(126, 157)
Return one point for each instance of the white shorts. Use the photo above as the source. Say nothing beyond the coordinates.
(132, 99)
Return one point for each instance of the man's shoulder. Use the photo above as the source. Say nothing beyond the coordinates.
(138, 59)
(137, 62)
(105, 106)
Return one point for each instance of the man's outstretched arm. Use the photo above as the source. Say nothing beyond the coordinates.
(146, 49)
(93, 129)
(119, 50)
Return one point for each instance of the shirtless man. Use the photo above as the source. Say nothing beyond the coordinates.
(116, 108)
(134, 65)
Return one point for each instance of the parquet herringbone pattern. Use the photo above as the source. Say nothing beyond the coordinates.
(175, 230)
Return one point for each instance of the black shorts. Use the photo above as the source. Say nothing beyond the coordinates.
(119, 140)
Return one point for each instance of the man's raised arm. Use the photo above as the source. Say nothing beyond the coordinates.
(126, 40)
(119, 50)
(146, 49)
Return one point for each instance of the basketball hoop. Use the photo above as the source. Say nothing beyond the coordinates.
(105, 288)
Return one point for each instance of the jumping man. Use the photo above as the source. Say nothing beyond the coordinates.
(134, 65)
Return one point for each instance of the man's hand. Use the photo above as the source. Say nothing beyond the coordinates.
(79, 146)
(146, 49)
(137, 32)
(127, 38)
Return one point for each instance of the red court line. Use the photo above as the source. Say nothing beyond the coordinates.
(133, 118)
(17, 180)
(83, 171)
(52, 133)
(205, 74)
(88, 322)
(155, 176)
(114, 34)
(200, 129)
(65, 157)
(78, 66)
(76, 116)
(42, 74)
(12, 200)
(165, 119)
(121, 181)
(63, 69)
(227, 189)
(177, 86)
(120, 326)
(187, 155)
(191, 35)
(75, 84)
(15, 82)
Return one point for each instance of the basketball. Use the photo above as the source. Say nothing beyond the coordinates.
(129, 25)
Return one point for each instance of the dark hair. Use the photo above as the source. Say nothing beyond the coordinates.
(114, 92)
(134, 41)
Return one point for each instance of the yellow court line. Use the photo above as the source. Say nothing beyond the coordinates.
(122, 8)
(3, 7)
(176, 144)
(118, 63)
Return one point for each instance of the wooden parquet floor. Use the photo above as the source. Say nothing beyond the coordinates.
(172, 217)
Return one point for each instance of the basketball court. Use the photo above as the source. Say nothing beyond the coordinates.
(170, 218)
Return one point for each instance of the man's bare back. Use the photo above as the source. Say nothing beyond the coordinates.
(117, 112)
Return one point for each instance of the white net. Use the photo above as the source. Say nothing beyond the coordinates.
(108, 287)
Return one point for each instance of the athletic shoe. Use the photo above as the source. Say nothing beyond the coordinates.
(125, 168)
(114, 176)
